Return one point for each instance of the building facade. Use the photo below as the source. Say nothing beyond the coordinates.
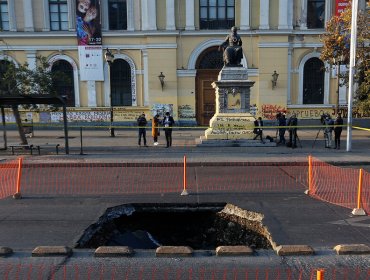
(178, 41)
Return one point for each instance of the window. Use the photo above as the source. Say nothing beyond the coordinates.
(58, 14)
(4, 16)
(117, 10)
(4, 64)
(120, 77)
(64, 85)
(217, 14)
(315, 14)
(313, 81)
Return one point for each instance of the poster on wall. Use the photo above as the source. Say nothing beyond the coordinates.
(340, 6)
(91, 63)
(89, 38)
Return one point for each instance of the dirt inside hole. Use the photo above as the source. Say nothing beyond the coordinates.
(200, 226)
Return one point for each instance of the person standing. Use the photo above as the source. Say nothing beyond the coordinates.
(282, 129)
(292, 123)
(338, 130)
(155, 129)
(258, 124)
(328, 131)
(141, 122)
(168, 122)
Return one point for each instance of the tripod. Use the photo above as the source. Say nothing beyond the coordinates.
(317, 135)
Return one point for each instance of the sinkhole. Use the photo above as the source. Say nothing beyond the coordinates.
(199, 226)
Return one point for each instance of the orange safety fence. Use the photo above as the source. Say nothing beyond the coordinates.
(66, 178)
(137, 269)
(339, 185)
(8, 178)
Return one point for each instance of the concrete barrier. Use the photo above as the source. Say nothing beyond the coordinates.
(352, 249)
(233, 251)
(174, 251)
(51, 251)
(5, 251)
(113, 251)
(291, 250)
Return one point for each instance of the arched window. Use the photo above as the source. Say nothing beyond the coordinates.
(120, 77)
(313, 81)
(64, 84)
(210, 59)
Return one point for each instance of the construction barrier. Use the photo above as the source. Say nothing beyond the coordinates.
(137, 269)
(346, 187)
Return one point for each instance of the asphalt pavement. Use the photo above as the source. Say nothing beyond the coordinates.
(292, 218)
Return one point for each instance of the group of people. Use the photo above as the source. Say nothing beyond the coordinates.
(167, 122)
(330, 126)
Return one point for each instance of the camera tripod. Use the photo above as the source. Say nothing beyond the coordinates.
(317, 135)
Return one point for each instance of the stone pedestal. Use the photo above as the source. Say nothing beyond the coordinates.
(232, 119)
(232, 124)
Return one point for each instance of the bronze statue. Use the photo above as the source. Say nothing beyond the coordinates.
(232, 48)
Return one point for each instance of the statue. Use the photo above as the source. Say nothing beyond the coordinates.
(232, 48)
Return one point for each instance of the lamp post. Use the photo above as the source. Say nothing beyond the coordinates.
(109, 57)
(338, 61)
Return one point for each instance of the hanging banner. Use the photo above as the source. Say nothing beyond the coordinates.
(89, 38)
(340, 6)
(88, 22)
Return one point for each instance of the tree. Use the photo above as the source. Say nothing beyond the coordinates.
(21, 81)
(336, 41)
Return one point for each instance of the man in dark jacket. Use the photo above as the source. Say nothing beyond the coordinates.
(338, 127)
(141, 122)
(293, 122)
(258, 124)
(168, 122)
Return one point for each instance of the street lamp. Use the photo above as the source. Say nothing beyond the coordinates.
(109, 57)
(338, 61)
(275, 77)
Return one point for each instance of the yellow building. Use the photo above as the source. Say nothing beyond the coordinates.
(178, 39)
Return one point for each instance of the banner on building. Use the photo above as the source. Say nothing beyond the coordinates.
(89, 38)
(340, 6)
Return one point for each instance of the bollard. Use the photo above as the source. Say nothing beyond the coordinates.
(184, 192)
(320, 274)
(359, 211)
(18, 195)
(309, 175)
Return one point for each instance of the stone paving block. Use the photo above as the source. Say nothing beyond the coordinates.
(48, 251)
(113, 251)
(352, 249)
(290, 250)
(233, 251)
(174, 251)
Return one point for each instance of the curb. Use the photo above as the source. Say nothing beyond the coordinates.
(174, 251)
(49, 251)
(114, 251)
(352, 249)
(233, 251)
(5, 251)
(291, 250)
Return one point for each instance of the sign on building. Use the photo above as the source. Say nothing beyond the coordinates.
(340, 6)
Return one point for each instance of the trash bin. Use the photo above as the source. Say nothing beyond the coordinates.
(28, 128)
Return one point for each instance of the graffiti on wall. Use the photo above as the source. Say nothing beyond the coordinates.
(269, 111)
(186, 112)
(161, 109)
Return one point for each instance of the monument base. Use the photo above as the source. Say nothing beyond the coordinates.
(203, 142)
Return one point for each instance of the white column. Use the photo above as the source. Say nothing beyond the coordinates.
(31, 60)
(303, 14)
(12, 20)
(105, 16)
(285, 7)
(146, 78)
(148, 15)
(289, 78)
(170, 15)
(28, 16)
(245, 15)
(71, 15)
(91, 94)
(328, 11)
(264, 14)
(189, 11)
(130, 15)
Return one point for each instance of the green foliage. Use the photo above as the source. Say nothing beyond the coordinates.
(336, 45)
